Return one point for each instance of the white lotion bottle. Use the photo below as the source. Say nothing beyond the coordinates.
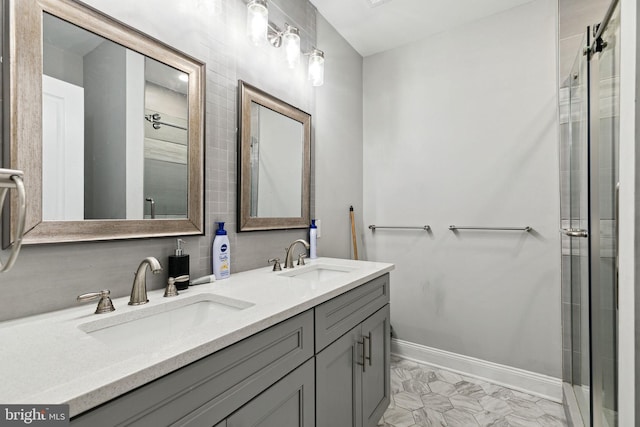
(221, 254)
(313, 239)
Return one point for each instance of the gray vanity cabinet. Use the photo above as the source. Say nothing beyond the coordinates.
(272, 379)
(352, 375)
(288, 403)
(352, 372)
(339, 383)
(375, 374)
(207, 391)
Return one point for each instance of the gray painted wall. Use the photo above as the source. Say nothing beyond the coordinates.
(105, 137)
(461, 129)
(49, 277)
(338, 145)
(62, 65)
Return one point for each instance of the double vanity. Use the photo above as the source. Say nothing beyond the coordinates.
(305, 346)
(300, 347)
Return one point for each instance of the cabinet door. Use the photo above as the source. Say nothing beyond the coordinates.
(338, 315)
(338, 382)
(287, 403)
(375, 375)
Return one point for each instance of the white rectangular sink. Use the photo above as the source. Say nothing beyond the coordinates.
(317, 272)
(162, 323)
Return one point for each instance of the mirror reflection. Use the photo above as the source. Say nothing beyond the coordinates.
(115, 130)
(277, 149)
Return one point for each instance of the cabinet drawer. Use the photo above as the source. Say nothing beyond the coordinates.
(208, 390)
(288, 403)
(338, 315)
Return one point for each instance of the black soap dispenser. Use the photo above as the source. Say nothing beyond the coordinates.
(179, 266)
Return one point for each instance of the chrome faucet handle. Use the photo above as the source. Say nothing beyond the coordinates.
(276, 264)
(171, 290)
(105, 305)
(301, 258)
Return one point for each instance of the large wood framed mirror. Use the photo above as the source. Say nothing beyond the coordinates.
(106, 123)
(274, 162)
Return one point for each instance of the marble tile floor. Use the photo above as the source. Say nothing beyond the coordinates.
(422, 395)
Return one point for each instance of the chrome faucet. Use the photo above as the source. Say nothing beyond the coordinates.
(288, 261)
(139, 289)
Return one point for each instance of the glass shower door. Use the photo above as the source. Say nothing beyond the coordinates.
(605, 126)
(575, 238)
(590, 150)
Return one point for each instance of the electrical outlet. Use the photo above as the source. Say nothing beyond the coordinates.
(319, 229)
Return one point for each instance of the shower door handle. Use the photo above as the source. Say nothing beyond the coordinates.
(617, 245)
(574, 232)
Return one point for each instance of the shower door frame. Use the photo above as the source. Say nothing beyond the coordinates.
(579, 233)
(595, 249)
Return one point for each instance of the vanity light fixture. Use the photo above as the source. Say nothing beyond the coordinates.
(291, 41)
(274, 35)
(260, 29)
(257, 21)
(316, 67)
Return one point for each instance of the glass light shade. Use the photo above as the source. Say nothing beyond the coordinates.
(257, 21)
(316, 67)
(291, 43)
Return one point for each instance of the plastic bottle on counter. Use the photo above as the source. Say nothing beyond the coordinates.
(313, 239)
(221, 253)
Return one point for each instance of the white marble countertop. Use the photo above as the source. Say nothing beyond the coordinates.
(49, 359)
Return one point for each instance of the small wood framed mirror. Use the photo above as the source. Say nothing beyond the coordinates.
(274, 162)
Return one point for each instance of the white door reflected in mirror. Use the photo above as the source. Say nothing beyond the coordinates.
(63, 147)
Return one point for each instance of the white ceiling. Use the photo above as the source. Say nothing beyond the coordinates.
(393, 23)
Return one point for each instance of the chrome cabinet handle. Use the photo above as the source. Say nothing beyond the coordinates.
(364, 365)
(574, 232)
(366, 351)
(368, 338)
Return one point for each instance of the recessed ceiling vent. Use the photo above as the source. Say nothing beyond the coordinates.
(376, 3)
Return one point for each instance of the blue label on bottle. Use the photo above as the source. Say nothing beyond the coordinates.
(223, 248)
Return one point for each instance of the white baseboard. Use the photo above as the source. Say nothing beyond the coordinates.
(515, 378)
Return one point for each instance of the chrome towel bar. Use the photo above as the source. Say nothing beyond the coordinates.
(373, 227)
(156, 122)
(458, 227)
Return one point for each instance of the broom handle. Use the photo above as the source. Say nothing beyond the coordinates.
(353, 234)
